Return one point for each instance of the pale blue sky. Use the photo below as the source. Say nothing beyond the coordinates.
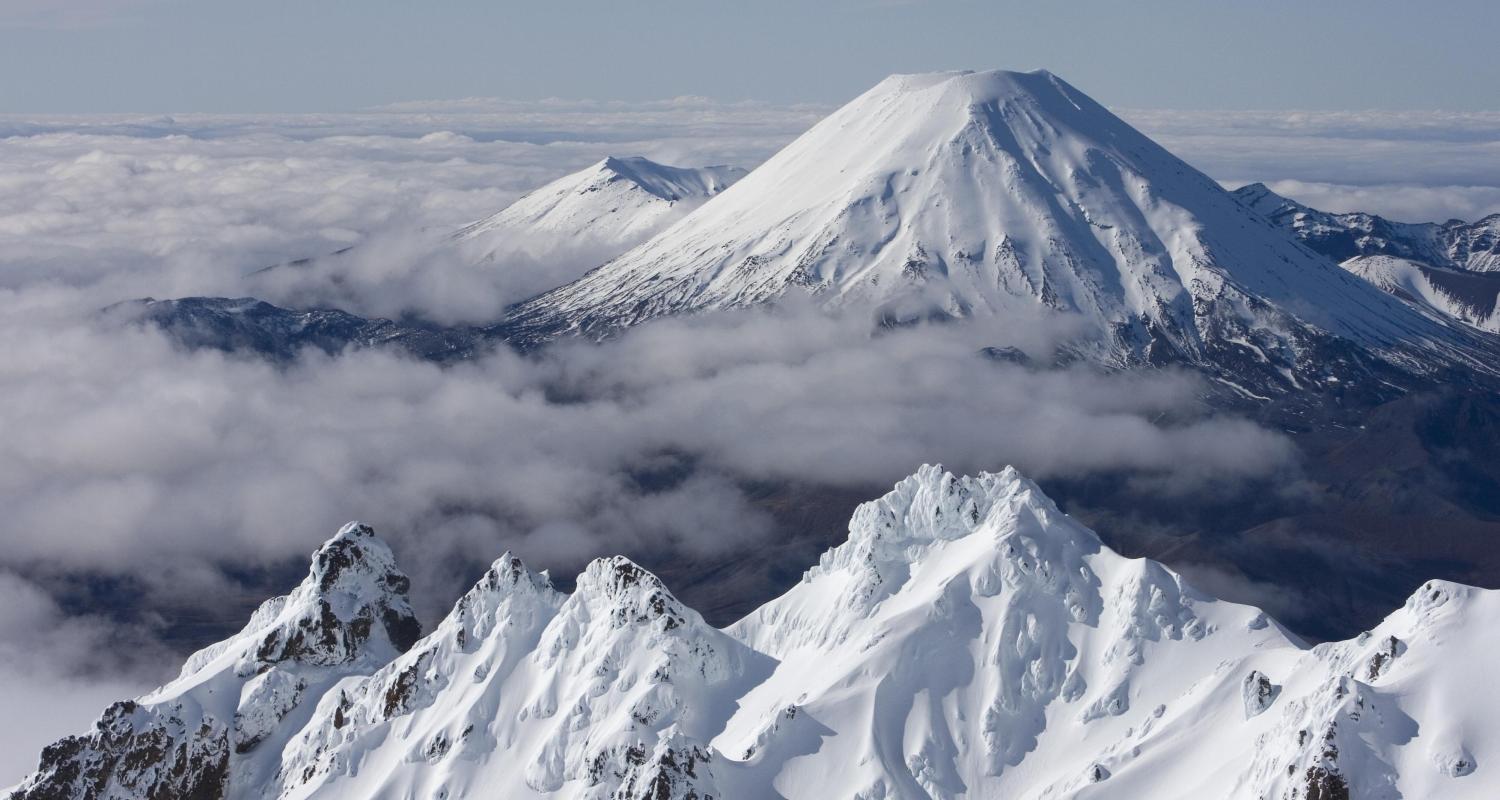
(312, 55)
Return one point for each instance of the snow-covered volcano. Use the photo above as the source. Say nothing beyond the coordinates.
(615, 203)
(968, 640)
(975, 193)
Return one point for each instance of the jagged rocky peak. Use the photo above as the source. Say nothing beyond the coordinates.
(933, 504)
(490, 630)
(633, 594)
(353, 604)
(220, 727)
(508, 575)
(969, 639)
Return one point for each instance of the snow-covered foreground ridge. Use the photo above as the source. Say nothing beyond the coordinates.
(968, 640)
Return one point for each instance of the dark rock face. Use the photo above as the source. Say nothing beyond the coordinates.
(134, 751)
(1454, 244)
(247, 325)
(176, 749)
(321, 637)
(1323, 784)
(676, 770)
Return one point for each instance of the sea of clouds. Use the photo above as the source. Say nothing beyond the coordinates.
(128, 461)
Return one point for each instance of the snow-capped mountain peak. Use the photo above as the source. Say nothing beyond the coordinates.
(968, 640)
(218, 729)
(352, 606)
(618, 201)
(976, 193)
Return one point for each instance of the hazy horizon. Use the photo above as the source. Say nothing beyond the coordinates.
(171, 56)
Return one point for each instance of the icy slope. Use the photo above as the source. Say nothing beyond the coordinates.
(972, 638)
(968, 640)
(973, 193)
(615, 204)
(219, 728)
(1472, 298)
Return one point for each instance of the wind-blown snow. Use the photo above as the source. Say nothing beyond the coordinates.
(968, 640)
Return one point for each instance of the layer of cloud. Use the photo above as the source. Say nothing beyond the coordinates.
(125, 454)
(1411, 166)
(1403, 202)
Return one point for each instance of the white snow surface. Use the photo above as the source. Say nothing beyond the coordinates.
(968, 193)
(1473, 299)
(968, 640)
(614, 204)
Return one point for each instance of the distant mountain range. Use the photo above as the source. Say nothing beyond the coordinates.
(968, 639)
(1450, 268)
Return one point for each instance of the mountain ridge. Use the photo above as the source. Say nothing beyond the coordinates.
(1451, 269)
(968, 639)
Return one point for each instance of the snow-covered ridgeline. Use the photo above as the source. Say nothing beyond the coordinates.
(616, 203)
(1449, 269)
(1471, 298)
(219, 728)
(968, 640)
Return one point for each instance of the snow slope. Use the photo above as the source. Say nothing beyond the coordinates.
(219, 728)
(968, 640)
(974, 193)
(1472, 298)
(615, 204)
(543, 240)
(1452, 269)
